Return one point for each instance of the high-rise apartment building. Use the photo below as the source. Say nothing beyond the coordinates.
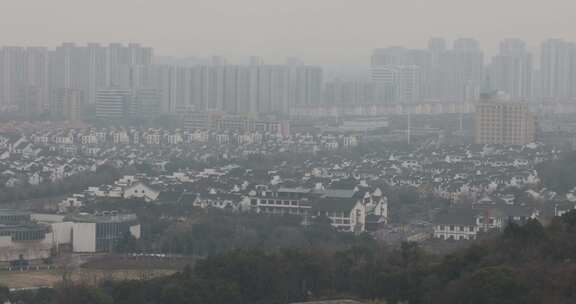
(36, 64)
(462, 71)
(255, 61)
(236, 89)
(145, 103)
(511, 70)
(96, 68)
(113, 103)
(402, 75)
(306, 84)
(437, 47)
(557, 70)
(398, 83)
(350, 93)
(385, 78)
(70, 66)
(93, 67)
(409, 83)
(504, 122)
(67, 104)
(12, 71)
(22, 68)
(30, 101)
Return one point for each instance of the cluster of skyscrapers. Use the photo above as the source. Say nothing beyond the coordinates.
(239, 89)
(117, 81)
(64, 79)
(461, 72)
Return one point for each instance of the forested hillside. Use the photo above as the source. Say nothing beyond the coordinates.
(526, 264)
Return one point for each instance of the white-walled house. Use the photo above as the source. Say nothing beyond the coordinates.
(345, 214)
(456, 224)
(464, 223)
(141, 190)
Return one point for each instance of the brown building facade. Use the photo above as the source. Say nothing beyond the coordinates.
(504, 122)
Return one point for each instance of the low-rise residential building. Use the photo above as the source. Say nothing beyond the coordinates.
(347, 210)
(141, 191)
(465, 223)
(456, 224)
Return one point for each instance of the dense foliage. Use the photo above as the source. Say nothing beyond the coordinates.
(183, 229)
(526, 264)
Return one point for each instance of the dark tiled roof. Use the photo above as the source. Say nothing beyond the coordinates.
(457, 216)
(169, 196)
(187, 198)
(329, 204)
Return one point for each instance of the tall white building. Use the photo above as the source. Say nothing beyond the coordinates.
(36, 72)
(385, 78)
(67, 104)
(306, 84)
(236, 89)
(70, 66)
(145, 103)
(401, 74)
(22, 69)
(409, 83)
(556, 69)
(93, 67)
(340, 92)
(113, 103)
(511, 70)
(462, 71)
(437, 47)
(12, 71)
(96, 69)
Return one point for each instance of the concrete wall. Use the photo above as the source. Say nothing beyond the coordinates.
(5, 241)
(28, 250)
(62, 232)
(84, 237)
(135, 231)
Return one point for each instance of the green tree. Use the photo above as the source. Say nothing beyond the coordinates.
(492, 285)
(4, 294)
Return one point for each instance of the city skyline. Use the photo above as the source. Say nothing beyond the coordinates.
(445, 71)
(321, 31)
(287, 151)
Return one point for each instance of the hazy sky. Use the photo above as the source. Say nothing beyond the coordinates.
(318, 31)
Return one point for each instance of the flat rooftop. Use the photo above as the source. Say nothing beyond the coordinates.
(24, 227)
(294, 190)
(13, 212)
(100, 218)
